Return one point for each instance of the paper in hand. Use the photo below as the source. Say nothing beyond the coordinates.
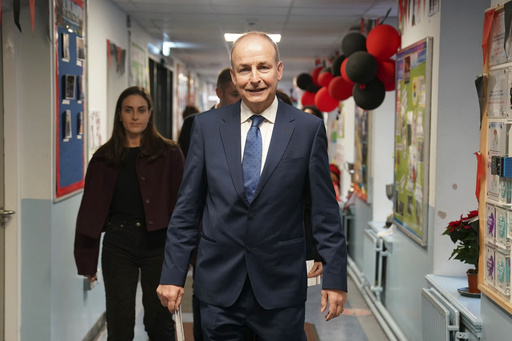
(180, 335)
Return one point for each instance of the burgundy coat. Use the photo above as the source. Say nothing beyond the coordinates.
(159, 182)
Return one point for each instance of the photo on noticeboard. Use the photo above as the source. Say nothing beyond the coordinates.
(65, 47)
(80, 48)
(68, 134)
(69, 86)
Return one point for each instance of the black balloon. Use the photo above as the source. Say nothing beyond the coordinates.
(353, 42)
(313, 88)
(336, 65)
(304, 80)
(370, 95)
(361, 67)
(326, 69)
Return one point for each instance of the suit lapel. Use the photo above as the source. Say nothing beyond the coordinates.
(230, 135)
(283, 131)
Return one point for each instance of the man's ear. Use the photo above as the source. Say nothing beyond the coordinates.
(280, 67)
(218, 92)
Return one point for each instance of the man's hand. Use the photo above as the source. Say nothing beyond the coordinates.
(170, 296)
(316, 270)
(336, 300)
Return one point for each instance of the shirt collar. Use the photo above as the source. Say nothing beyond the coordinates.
(269, 113)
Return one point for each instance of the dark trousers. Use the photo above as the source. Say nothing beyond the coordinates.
(231, 323)
(128, 249)
(198, 331)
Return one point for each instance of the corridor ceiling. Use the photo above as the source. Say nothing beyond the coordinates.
(310, 29)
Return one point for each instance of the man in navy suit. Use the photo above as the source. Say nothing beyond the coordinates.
(250, 267)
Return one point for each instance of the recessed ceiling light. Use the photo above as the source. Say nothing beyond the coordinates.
(230, 37)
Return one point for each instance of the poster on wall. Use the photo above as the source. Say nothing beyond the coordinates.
(139, 74)
(70, 97)
(412, 139)
(361, 167)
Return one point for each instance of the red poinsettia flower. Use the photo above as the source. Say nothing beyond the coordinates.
(464, 233)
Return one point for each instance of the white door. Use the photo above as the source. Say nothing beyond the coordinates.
(2, 191)
(4, 212)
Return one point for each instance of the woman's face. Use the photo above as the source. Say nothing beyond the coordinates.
(135, 116)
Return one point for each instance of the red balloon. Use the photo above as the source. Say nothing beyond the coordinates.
(325, 78)
(344, 71)
(340, 89)
(386, 71)
(383, 41)
(324, 101)
(315, 74)
(390, 86)
(308, 98)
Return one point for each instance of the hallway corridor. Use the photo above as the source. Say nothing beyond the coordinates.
(356, 323)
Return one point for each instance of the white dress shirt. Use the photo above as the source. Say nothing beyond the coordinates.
(266, 127)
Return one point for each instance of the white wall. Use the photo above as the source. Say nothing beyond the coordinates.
(382, 158)
(105, 21)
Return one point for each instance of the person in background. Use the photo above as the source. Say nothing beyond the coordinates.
(130, 190)
(227, 94)
(335, 177)
(226, 91)
(189, 111)
(313, 110)
(284, 97)
(250, 199)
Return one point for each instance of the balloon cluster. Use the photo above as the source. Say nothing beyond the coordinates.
(365, 70)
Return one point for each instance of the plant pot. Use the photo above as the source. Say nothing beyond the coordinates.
(473, 282)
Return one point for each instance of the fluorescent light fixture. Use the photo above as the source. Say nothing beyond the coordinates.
(230, 37)
(166, 48)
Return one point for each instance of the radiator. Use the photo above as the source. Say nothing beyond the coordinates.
(373, 262)
(370, 257)
(440, 319)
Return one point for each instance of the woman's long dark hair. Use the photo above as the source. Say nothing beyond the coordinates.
(152, 144)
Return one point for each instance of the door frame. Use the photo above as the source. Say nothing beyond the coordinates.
(11, 94)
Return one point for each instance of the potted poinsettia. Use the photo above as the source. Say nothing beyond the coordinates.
(464, 233)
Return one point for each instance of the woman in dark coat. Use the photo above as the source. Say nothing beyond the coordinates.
(131, 187)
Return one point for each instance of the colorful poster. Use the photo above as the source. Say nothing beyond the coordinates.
(412, 139)
(361, 173)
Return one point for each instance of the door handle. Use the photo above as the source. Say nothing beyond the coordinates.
(6, 213)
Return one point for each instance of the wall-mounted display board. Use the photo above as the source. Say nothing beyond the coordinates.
(495, 201)
(70, 58)
(412, 139)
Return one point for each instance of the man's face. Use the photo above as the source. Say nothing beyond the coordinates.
(255, 72)
(227, 95)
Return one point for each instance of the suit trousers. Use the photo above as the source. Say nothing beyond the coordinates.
(129, 250)
(231, 323)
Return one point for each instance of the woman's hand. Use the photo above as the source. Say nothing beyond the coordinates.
(316, 270)
(91, 278)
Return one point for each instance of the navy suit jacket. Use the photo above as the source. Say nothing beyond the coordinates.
(264, 239)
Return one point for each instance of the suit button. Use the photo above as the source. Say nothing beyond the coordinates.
(143, 178)
(147, 201)
(250, 215)
(247, 249)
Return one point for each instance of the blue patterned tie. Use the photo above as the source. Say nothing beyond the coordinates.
(251, 163)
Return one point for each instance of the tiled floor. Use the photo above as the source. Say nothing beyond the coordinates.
(356, 324)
